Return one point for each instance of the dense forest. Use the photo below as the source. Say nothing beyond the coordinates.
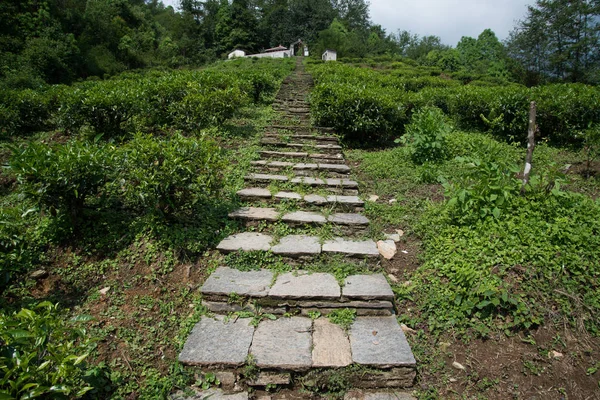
(59, 41)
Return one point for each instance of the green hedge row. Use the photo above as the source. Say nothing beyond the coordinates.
(133, 101)
(363, 104)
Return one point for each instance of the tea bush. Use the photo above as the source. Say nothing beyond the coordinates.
(42, 355)
(426, 136)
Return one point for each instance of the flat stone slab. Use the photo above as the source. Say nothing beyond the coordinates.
(367, 287)
(255, 192)
(212, 394)
(307, 180)
(304, 217)
(347, 183)
(379, 395)
(246, 241)
(226, 280)
(331, 346)
(315, 199)
(335, 167)
(302, 285)
(288, 196)
(280, 164)
(298, 246)
(366, 248)
(267, 177)
(350, 200)
(379, 342)
(216, 342)
(304, 166)
(284, 154)
(284, 343)
(328, 146)
(348, 219)
(255, 214)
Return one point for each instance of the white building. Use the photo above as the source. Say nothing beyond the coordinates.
(329, 55)
(275, 52)
(236, 54)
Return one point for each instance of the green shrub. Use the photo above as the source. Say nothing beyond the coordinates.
(166, 175)
(426, 136)
(41, 355)
(61, 178)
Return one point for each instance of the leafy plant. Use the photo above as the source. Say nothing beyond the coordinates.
(426, 136)
(42, 355)
(343, 317)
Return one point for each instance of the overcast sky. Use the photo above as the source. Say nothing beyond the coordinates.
(448, 19)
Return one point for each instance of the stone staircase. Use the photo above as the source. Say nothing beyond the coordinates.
(269, 329)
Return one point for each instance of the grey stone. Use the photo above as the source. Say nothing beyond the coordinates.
(306, 180)
(367, 287)
(359, 395)
(303, 166)
(318, 156)
(39, 274)
(267, 177)
(246, 241)
(211, 394)
(288, 196)
(361, 312)
(348, 219)
(387, 248)
(304, 217)
(393, 236)
(227, 379)
(283, 344)
(216, 342)
(331, 347)
(302, 285)
(255, 193)
(270, 378)
(259, 163)
(343, 168)
(379, 342)
(219, 307)
(255, 214)
(366, 248)
(315, 199)
(350, 200)
(346, 304)
(403, 377)
(328, 146)
(284, 154)
(227, 280)
(297, 246)
(347, 183)
(280, 164)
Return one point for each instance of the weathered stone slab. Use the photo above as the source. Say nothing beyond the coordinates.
(280, 164)
(212, 394)
(219, 307)
(342, 168)
(349, 200)
(379, 342)
(302, 285)
(361, 312)
(366, 248)
(347, 183)
(345, 304)
(259, 163)
(367, 287)
(306, 180)
(246, 241)
(227, 280)
(298, 246)
(304, 217)
(331, 346)
(267, 178)
(329, 146)
(255, 193)
(348, 219)
(283, 344)
(321, 156)
(216, 342)
(283, 154)
(304, 167)
(288, 196)
(270, 378)
(379, 395)
(402, 377)
(255, 214)
(315, 199)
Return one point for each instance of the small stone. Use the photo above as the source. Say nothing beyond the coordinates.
(453, 380)
(373, 198)
(555, 354)
(407, 283)
(400, 232)
(302, 285)
(270, 378)
(459, 366)
(246, 241)
(393, 236)
(298, 246)
(284, 343)
(387, 248)
(444, 346)
(406, 329)
(331, 347)
(392, 201)
(227, 379)
(392, 278)
(104, 290)
(39, 274)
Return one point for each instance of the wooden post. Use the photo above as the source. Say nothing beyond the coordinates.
(530, 145)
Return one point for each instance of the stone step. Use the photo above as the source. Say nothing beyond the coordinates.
(279, 165)
(303, 180)
(304, 128)
(296, 218)
(325, 148)
(297, 344)
(231, 392)
(319, 138)
(258, 194)
(295, 246)
(302, 155)
(296, 292)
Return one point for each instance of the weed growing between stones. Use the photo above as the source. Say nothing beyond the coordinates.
(343, 317)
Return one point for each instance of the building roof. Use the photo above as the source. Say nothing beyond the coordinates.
(278, 48)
